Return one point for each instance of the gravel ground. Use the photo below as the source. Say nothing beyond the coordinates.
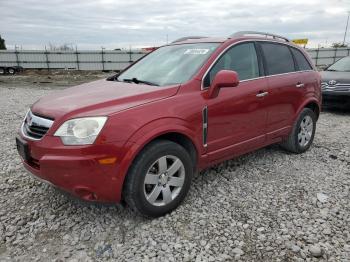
(265, 206)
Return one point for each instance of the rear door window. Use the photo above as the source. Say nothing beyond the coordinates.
(302, 62)
(278, 57)
(241, 58)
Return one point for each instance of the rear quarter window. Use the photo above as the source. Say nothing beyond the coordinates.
(278, 58)
(302, 62)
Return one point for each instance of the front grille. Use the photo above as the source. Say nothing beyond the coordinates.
(34, 131)
(335, 88)
(35, 127)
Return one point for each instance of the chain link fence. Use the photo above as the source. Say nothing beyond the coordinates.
(106, 60)
(323, 57)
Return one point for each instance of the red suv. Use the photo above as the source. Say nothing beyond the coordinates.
(140, 135)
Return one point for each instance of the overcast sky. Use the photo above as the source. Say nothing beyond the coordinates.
(112, 24)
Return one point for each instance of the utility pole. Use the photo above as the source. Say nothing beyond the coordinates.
(16, 52)
(103, 59)
(346, 29)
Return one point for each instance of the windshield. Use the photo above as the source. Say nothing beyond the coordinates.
(342, 65)
(169, 65)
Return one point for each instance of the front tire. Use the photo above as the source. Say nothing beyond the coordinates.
(158, 179)
(303, 132)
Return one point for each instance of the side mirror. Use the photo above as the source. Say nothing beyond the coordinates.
(224, 78)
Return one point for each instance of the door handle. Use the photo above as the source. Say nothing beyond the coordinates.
(262, 94)
(300, 85)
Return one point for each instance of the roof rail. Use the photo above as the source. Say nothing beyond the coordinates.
(187, 38)
(243, 33)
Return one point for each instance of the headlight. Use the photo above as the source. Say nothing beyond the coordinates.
(81, 131)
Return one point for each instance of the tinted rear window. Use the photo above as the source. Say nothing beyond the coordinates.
(302, 62)
(279, 59)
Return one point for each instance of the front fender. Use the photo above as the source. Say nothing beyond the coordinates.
(162, 126)
(152, 130)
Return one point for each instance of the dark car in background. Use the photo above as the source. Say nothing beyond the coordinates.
(336, 83)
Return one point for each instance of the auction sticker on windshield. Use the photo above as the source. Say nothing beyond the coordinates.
(196, 51)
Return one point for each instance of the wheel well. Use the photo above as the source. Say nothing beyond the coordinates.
(314, 107)
(180, 139)
(185, 142)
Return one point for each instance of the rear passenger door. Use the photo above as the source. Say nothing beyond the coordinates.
(310, 81)
(285, 88)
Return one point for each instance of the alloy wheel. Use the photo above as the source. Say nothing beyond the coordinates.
(305, 131)
(164, 180)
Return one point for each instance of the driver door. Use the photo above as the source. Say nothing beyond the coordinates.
(237, 116)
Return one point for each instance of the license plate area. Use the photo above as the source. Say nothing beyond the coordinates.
(23, 149)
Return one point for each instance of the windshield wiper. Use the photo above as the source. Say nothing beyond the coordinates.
(332, 70)
(138, 81)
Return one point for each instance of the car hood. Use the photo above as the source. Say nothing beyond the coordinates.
(100, 97)
(340, 77)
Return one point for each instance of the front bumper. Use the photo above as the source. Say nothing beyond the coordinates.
(76, 169)
(336, 97)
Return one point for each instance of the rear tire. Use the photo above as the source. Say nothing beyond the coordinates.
(303, 132)
(158, 179)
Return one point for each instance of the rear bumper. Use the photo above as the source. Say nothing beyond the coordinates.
(76, 169)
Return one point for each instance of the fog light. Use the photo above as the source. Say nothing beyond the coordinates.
(85, 193)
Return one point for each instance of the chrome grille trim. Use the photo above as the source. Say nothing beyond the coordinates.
(339, 87)
(35, 127)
